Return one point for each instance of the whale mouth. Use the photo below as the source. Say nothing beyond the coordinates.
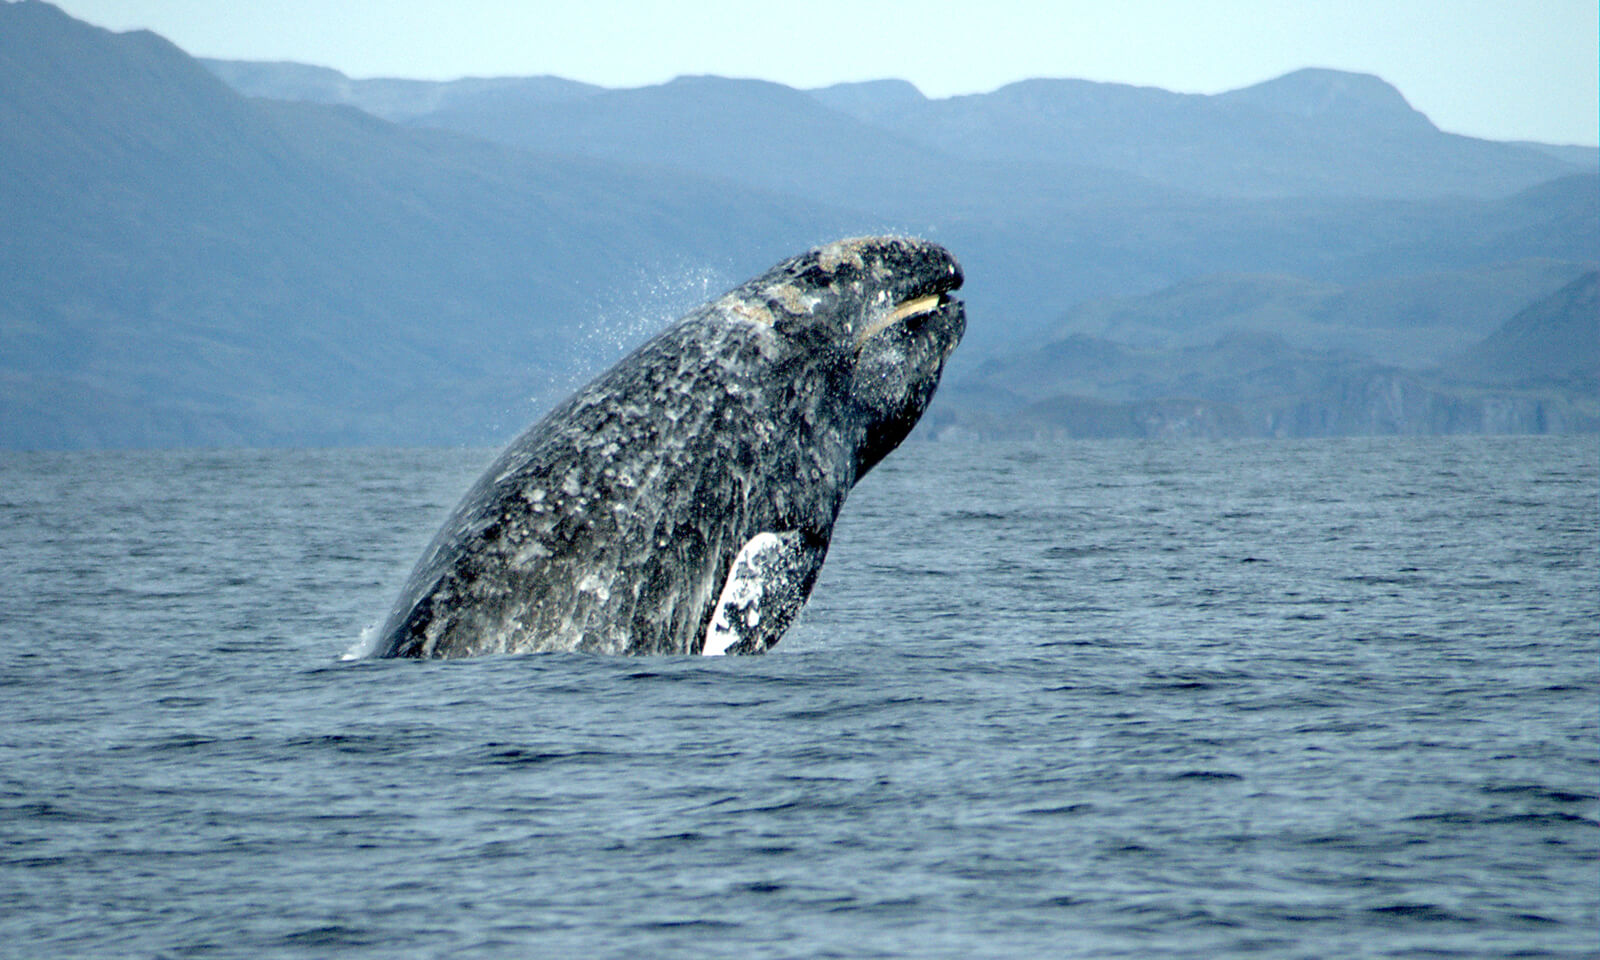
(914, 307)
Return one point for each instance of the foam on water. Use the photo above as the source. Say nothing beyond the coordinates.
(366, 644)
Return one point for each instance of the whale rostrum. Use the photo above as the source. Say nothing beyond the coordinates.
(683, 501)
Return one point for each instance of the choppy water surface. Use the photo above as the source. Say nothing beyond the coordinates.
(1101, 699)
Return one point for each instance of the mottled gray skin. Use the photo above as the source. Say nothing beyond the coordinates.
(611, 525)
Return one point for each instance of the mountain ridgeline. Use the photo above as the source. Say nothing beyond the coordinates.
(219, 253)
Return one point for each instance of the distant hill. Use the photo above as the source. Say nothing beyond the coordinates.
(390, 99)
(1226, 375)
(1310, 133)
(1414, 320)
(1554, 342)
(1585, 157)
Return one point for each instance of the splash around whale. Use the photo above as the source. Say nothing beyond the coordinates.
(683, 501)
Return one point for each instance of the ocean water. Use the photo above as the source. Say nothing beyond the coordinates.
(1283, 699)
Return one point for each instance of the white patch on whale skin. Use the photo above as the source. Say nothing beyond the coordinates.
(592, 583)
(795, 300)
(742, 592)
(750, 312)
(841, 252)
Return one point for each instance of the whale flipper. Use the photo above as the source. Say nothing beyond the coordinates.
(767, 585)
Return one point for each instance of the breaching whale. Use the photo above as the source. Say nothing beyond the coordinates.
(682, 502)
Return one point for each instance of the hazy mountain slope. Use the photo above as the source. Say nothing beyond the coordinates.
(1224, 375)
(1418, 319)
(771, 137)
(186, 265)
(1587, 158)
(391, 99)
(1555, 341)
(761, 134)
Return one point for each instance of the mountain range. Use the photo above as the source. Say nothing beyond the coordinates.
(1539, 372)
(243, 253)
(1310, 133)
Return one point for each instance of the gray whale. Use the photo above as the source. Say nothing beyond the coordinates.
(682, 502)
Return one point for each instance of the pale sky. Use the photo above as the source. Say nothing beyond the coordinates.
(1501, 69)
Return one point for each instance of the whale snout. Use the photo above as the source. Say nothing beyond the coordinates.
(921, 278)
(944, 273)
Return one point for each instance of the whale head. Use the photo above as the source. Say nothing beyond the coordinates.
(877, 307)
